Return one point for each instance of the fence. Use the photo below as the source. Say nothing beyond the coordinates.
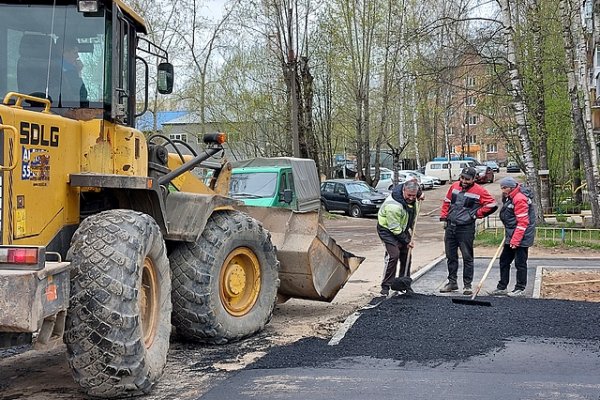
(547, 235)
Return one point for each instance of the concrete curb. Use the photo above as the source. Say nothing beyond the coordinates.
(539, 271)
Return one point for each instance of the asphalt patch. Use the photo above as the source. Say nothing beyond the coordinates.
(431, 329)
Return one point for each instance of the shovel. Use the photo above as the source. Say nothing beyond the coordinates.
(472, 300)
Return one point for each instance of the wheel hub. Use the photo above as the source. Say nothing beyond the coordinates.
(235, 280)
(148, 301)
(239, 281)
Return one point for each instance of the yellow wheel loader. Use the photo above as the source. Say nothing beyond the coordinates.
(108, 238)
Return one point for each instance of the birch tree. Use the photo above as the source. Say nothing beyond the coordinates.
(578, 91)
(519, 104)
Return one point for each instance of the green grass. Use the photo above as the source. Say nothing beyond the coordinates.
(580, 238)
(486, 238)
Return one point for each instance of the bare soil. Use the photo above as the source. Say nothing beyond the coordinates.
(571, 285)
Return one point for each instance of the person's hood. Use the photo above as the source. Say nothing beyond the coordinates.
(397, 193)
(526, 191)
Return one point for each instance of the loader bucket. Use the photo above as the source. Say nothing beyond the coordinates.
(312, 265)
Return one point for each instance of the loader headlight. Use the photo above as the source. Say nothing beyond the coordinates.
(87, 6)
(217, 138)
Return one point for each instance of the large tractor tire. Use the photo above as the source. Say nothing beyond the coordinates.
(119, 319)
(224, 285)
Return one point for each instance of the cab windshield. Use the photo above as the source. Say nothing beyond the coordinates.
(52, 52)
(253, 185)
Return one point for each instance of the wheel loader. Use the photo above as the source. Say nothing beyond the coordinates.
(109, 240)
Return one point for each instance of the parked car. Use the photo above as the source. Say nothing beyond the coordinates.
(355, 198)
(493, 165)
(386, 179)
(512, 166)
(427, 182)
(484, 174)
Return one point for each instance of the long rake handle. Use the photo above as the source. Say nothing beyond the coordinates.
(489, 268)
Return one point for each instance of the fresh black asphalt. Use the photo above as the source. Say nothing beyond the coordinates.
(426, 347)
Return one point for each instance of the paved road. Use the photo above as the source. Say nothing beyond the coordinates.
(426, 347)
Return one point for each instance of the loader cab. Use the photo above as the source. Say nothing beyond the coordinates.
(80, 55)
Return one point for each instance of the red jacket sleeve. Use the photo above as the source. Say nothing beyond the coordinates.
(522, 215)
(446, 203)
(487, 204)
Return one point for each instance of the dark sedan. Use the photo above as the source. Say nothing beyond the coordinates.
(513, 167)
(355, 198)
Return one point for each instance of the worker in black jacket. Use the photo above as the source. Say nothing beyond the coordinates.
(465, 202)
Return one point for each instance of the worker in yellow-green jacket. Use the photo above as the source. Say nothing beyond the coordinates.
(395, 223)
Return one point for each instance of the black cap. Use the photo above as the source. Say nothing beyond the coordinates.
(468, 172)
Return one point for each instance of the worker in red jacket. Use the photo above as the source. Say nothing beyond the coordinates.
(465, 202)
(518, 216)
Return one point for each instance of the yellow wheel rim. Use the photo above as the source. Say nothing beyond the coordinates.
(239, 281)
(149, 296)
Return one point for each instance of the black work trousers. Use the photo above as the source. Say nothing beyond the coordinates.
(519, 255)
(459, 237)
(393, 254)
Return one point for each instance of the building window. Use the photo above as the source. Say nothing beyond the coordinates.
(178, 136)
(491, 147)
(472, 120)
(470, 80)
(472, 139)
(470, 101)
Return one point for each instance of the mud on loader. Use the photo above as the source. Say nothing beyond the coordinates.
(107, 238)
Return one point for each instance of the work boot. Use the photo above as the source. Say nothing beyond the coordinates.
(385, 291)
(449, 287)
(499, 292)
(467, 290)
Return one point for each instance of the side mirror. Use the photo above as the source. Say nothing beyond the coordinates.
(165, 78)
(287, 196)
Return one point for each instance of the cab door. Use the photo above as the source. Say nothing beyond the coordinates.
(286, 183)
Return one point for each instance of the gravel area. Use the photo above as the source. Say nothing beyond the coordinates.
(431, 329)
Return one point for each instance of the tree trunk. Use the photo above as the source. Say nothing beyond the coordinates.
(539, 103)
(571, 35)
(307, 100)
(520, 106)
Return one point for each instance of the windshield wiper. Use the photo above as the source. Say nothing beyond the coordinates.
(245, 195)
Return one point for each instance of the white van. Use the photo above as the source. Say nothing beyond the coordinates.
(439, 169)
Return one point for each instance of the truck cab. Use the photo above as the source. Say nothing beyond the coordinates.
(283, 182)
(264, 186)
